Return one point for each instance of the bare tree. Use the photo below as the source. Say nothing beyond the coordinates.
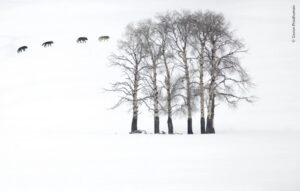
(181, 55)
(171, 83)
(228, 79)
(129, 60)
(181, 28)
(198, 41)
(152, 48)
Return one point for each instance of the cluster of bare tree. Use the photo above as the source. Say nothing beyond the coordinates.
(176, 60)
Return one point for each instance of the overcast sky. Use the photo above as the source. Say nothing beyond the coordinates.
(59, 89)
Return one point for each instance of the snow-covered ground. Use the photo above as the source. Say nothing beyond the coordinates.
(260, 161)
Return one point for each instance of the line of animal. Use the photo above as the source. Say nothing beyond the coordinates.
(103, 38)
(22, 49)
(47, 43)
(79, 40)
(82, 40)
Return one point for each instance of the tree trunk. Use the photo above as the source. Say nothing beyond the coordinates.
(135, 106)
(155, 92)
(170, 122)
(156, 124)
(209, 125)
(188, 95)
(170, 126)
(211, 101)
(202, 125)
(213, 115)
(134, 124)
(202, 122)
(190, 129)
(169, 98)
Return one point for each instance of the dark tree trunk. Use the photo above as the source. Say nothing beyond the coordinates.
(156, 125)
(134, 124)
(202, 125)
(209, 127)
(170, 126)
(213, 115)
(190, 128)
(210, 121)
(202, 122)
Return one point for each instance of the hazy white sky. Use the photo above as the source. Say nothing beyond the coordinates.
(59, 89)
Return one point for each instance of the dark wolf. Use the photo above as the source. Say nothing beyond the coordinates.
(47, 43)
(103, 38)
(22, 49)
(82, 40)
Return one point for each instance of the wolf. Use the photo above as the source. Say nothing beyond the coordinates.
(47, 43)
(82, 40)
(22, 49)
(103, 38)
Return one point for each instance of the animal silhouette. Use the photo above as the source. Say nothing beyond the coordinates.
(82, 40)
(22, 49)
(103, 38)
(47, 43)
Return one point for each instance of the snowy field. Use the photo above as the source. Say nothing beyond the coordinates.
(254, 161)
(57, 134)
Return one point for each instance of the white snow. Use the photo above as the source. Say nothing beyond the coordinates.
(74, 162)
